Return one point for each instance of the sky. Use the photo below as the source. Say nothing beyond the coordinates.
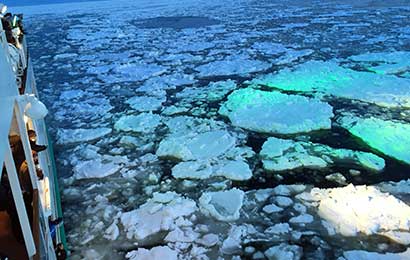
(37, 2)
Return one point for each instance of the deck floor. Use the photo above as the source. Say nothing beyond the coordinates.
(8, 243)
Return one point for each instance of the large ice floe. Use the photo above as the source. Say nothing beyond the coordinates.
(385, 62)
(388, 137)
(329, 78)
(274, 112)
(363, 209)
(365, 255)
(280, 155)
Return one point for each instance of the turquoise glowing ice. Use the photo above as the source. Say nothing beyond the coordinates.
(385, 62)
(330, 79)
(274, 112)
(388, 137)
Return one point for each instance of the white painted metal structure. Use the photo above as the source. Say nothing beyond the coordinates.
(13, 120)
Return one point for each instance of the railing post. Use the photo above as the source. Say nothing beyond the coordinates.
(26, 145)
(19, 202)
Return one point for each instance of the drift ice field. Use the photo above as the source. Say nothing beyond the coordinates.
(229, 129)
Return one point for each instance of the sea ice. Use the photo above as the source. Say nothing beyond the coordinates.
(94, 169)
(301, 219)
(157, 214)
(274, 112)
(233, 170)
(365, 255)
(328, 78)
(365, 209)
(222, 205)
(142, 123)
(387, 62)
(139, 71)
(180, 126)
(389, 137)
(202, 146)
(232, 65)
(284, 251)
(278, 229)
(68, 136)
(272, 208)
(146, 103)
(269, 48)
(233, 243)
(280, 154)
(208, 240)
(155, 253)
(215, 91)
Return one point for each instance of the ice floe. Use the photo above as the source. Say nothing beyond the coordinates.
(202, 146)
(142, 123)
(94, 169)
(144, 103)
(136, 71)
(274, 112)
(365, 209)
(281, 154)
(232, 65)
(215, 91)
(67, 136)
(329, 78)
(387, 62)
(269, 48)
(222, 205)
(365, 255)
(159, 252)
(158, 214)
(233, 170)
(388, 137)
(284, 251)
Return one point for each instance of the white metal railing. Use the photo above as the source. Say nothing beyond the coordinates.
(19, 202)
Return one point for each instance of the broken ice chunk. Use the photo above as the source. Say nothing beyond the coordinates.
(222, 205)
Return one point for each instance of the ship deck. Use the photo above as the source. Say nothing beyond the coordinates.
(9, 246)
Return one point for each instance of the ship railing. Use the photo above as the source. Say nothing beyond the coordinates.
(38, 241)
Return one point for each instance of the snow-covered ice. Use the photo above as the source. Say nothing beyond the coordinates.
(157, 214)
(159, 252)
(362, 209)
